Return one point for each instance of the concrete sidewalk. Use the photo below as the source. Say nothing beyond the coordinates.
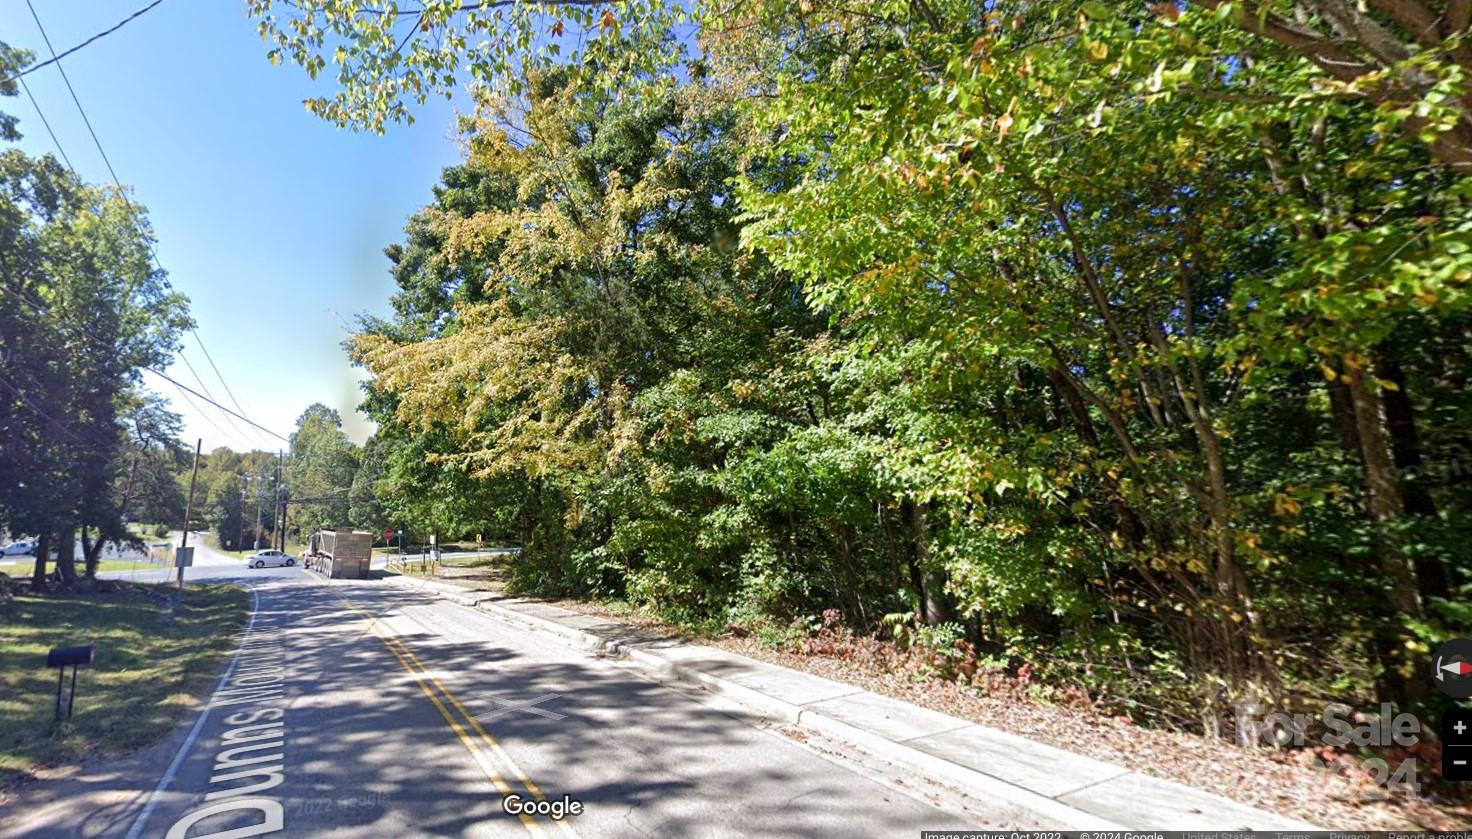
(1064, 790)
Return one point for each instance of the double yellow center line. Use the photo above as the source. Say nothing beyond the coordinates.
(462, 722)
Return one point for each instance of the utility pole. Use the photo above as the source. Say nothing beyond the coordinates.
(240, 530)
(258, 514)
(188, 511)
(280, 502)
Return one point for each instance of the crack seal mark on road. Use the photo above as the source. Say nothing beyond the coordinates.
(510, 707)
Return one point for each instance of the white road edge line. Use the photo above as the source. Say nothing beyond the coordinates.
(142, 819)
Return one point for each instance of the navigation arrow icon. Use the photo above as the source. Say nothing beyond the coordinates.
(1456, 668)
(1454, 656)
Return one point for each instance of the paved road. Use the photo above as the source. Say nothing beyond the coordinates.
(358, 710)
(209, 565)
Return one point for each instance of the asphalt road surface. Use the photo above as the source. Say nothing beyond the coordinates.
(209, 565)
(359, 710)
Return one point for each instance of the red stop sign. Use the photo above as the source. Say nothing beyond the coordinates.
(388, 535)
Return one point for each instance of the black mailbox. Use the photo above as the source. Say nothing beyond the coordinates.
(69, 656)
(61, 658)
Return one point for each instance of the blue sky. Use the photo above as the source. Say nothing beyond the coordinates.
(270, 220)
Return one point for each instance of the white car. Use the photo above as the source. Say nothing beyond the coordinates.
(19, 548)
(261, 559)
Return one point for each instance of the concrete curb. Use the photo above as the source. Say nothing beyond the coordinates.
(1054, 813)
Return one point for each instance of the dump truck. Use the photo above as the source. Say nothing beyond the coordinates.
(341, 553)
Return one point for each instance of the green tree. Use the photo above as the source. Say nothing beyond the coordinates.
(320, 468)
(387, 59)
(1105, 249)
(148, 489)
(11, 61)
(224, 509)
(528, 402)
(234, 491)
(1130, 337)
(364, 509)
(85, 311)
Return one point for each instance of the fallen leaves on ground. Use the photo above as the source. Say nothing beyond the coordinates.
(1293, 782)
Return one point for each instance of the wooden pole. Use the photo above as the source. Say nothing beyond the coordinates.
(279, 538)
(188, 511)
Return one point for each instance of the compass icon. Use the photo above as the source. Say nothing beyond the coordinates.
(1452, 668)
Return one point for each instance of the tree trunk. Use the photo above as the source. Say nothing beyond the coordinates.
(1405, 445)
(66, 555)
(1341, 409)
(932, 581)
(524, 525)
(1240, 622)
(91, 553)
(1131, 528)
(1398, 679)
(1230, 582)
(1383, 485)
(43, 550)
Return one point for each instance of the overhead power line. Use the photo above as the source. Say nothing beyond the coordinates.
(202, 386)
(47, 123)
(122, 193)
(41, 309)
(240, 417)
(60, 426)
(56, 59)
(100, 35)
(207, 357)
(207, 418)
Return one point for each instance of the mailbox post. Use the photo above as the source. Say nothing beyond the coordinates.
(62, 658)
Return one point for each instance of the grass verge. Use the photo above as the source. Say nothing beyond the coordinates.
(146, 675)
(24, 566)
